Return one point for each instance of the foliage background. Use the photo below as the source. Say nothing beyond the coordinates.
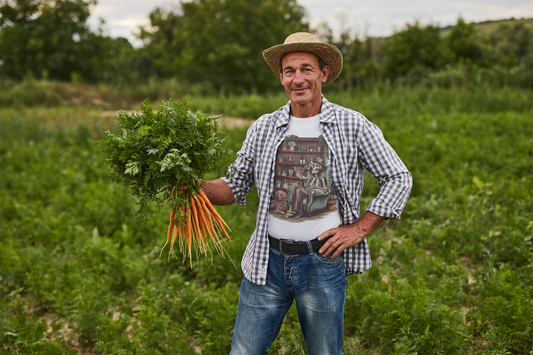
(215, 46)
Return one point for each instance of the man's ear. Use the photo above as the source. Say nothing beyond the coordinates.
(325, 73)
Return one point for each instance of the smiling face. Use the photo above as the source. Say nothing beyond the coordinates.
(303, 79)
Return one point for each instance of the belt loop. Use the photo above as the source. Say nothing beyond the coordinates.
(310, 247)
(280, 246)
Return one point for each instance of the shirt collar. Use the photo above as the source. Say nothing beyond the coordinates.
(283, 115)
(327, 114)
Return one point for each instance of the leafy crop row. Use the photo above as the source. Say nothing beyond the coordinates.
(454, 276)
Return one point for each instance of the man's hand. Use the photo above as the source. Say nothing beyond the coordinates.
(347, 236)
(178, 189)
(218, 192)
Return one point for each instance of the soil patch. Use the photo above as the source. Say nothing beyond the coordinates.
(224, 121)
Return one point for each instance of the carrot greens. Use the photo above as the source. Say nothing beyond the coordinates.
(152, 152)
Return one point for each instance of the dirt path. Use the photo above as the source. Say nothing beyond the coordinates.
(235, 122)
(224, 121)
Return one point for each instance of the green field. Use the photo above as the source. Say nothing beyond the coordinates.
(453, 276)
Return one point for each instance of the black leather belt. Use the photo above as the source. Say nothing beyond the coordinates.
(291, 247)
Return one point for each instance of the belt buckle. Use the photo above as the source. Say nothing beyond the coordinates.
(281, 242)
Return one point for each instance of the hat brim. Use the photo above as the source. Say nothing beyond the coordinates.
(330, 54)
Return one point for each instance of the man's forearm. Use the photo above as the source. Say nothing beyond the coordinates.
(368, 222)
(218, 192)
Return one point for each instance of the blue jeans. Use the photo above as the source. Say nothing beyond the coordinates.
(317, 284)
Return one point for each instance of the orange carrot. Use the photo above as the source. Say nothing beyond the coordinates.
(203, 223)
(222, 228)
(174, 236)
(172, 215)
(189, 232)
(205, 247)
(221, 223)
(208, 217)
(198, 227)
(180, 233)
(211, 208)
(194, 212)
(170, 225)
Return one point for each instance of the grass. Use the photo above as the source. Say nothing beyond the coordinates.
(459, 89)
(453, 276)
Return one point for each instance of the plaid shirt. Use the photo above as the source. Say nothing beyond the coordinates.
(355, 144)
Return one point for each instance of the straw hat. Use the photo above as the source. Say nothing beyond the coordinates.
(306, 42)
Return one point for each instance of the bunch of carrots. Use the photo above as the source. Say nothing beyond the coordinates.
(153, 150)
(199, 227)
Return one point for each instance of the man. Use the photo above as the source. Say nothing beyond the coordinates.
(307, 259)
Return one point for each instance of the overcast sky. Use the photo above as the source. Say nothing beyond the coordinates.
(372, 18)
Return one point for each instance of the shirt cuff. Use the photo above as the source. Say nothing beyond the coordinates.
(238, 194)
(384, 211)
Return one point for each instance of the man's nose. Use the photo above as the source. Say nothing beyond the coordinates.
(298, 77)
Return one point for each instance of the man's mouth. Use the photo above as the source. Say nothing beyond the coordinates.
(297, 90)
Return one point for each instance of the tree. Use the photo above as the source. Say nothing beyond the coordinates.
(221, 41)
(360, 60)
(463, 42)
(50, 39)
(414, 47)
(509, 44)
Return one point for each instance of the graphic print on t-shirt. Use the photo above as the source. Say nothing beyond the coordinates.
(302, 184)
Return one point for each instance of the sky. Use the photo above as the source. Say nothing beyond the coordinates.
(364, 18)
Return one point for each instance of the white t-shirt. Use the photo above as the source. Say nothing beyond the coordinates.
(303, 204)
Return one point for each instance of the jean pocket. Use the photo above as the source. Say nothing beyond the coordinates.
(328, 260)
